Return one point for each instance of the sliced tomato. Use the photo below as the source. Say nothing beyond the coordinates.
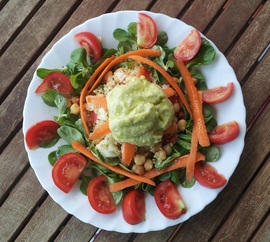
(142, 71)
(67, 169)
(41, 134)
(133, 207)
(218, 94)
(55, 81)
(91, 44)
(99, 195)
(189, 47)
(208, 176)
(224, 133)
(146, 31)
(169, 200)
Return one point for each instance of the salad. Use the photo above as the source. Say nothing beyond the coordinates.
(135, 119)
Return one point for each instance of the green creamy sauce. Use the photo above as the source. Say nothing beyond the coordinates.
(139, 112)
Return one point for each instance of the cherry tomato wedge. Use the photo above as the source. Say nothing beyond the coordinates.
(169, 200)
(133, 207)
(146, 31)
(142, 71)
(99, 195)
(67, 169)
(208, 176)
(218, 94)
(55, 81)
(189, 47)
(224, 133)
(91, 44)
(41, 134)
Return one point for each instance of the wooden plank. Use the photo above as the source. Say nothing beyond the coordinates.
(20, 205)
(13, 162)
(251, 159)
(172, 8)
(263, 233)
(198, 10)
(256, 88)
(226, 29)
(131, 5)
(248, 212)
(110, 236)
(28, 42)
(251, 44)
(44, 223)
(75, 230)
(10, 23)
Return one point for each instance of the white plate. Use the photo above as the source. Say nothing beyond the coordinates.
(197, 197)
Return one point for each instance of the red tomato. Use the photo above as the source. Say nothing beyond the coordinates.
(169, 200)
(218, 94)
(41, 133)
(67, 169)
(99, 195)
(208, 176)
(146, 31)
(133, 207)
(224, 133)
(189, 47)
(91, 44)
(142, 71)
(55, 81)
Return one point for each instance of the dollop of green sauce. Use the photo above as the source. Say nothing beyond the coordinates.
(139, 112)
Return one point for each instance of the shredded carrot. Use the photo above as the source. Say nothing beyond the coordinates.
(172, 129)
(100, 131)
(85, 90)
(127, 151)
(82, 149)
(196, 106)
(179, 162)
(97, 101)
(117, 60)
(169, 91)
(167, 76)
(192, 156)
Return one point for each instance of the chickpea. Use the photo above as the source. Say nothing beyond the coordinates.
(182, 124)
(139, 170)
(168, 149)
(176, 107)
(148, 165)
(156, 147)
(139, 159)
(75, 99)
(161, 155)
(75, 108)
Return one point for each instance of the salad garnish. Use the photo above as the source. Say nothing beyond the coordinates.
(136, 119)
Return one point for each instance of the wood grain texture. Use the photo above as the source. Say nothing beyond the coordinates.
(226, 29)
(206, 11)
(251, 43)
(263, 234)
(20, 205)
(248, 212)
(10, 23)
(171, 8)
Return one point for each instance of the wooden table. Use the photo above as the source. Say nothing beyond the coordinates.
(240, 29)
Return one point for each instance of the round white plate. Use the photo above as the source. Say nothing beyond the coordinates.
(196, 198)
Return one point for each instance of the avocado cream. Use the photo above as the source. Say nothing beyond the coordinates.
(139, 112)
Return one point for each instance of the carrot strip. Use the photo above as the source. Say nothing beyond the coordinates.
(172, 129)
(195, 104)
(179, 162)
(82, 149)
(169, 92)
(128, 151)
(85, 89)
(167, 76)
(100, 131)
(97, 101)
(192, 156)
(142, 52)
